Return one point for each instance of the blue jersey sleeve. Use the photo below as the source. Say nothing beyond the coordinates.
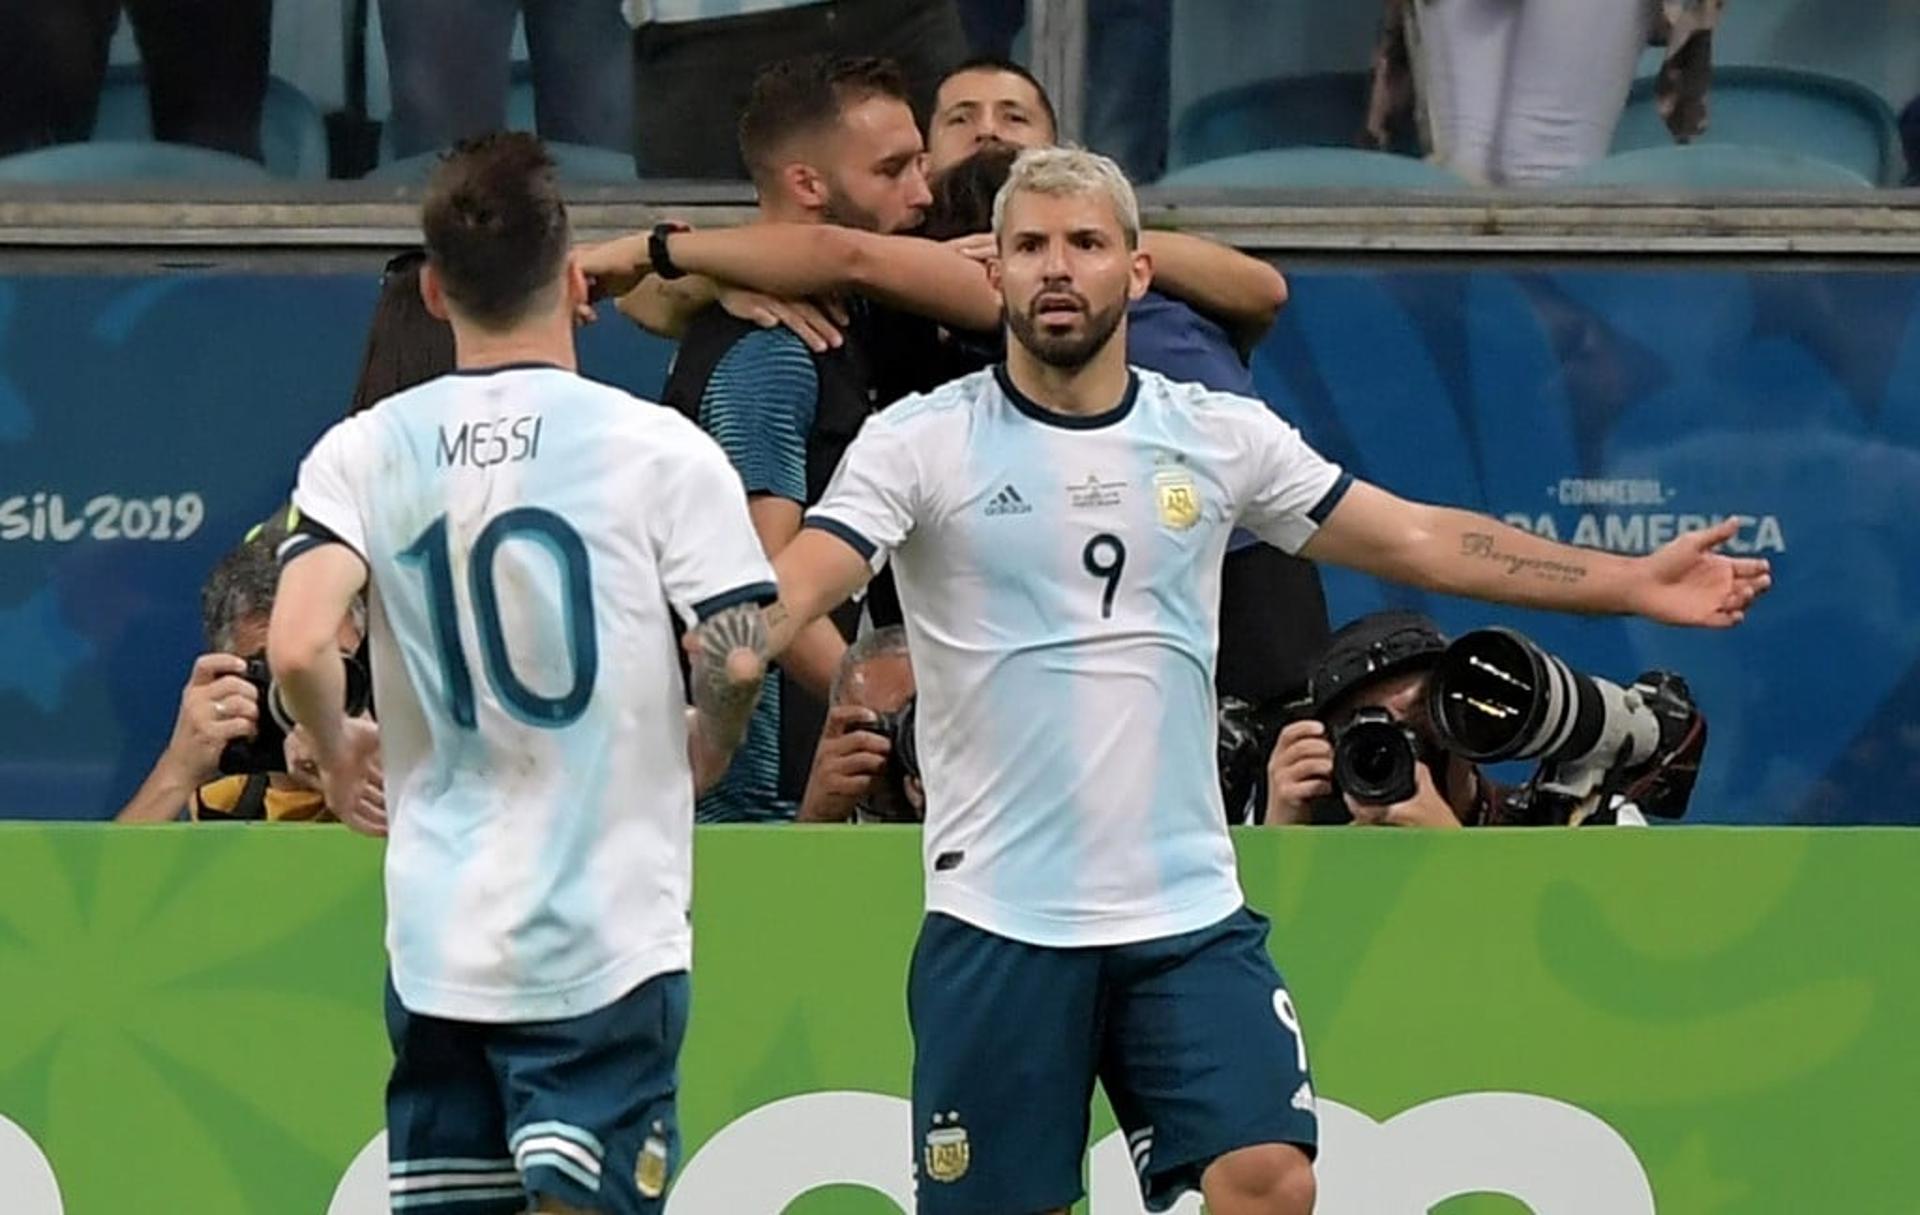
(759, 406)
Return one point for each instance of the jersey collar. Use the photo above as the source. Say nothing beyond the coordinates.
(1067, 421)
(527, 365)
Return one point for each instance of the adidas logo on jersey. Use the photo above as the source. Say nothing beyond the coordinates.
(1008, 502)
(1303, 1097)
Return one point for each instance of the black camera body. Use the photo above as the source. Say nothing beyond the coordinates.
(265, 750)
(1374, 755)
(903, 761)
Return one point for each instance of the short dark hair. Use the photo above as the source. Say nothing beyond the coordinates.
(406, 344)
(241, 585)
(495, 226)
(807, 93)
(963, 194)
(995, 63)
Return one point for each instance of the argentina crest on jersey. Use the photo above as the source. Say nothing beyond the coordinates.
(1176, 496)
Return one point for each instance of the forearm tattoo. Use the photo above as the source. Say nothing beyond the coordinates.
(723, 702)
(1482, 546)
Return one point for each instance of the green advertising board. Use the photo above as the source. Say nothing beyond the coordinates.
(1611, 1022)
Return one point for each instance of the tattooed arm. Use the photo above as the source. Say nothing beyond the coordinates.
(729, 651)
(1459, 552)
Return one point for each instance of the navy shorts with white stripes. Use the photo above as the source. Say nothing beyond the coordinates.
(582, 1111)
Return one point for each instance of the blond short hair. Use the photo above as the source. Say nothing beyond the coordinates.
(1062, 172)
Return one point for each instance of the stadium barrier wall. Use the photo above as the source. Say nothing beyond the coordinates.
(1569, 1023)
(146, 420)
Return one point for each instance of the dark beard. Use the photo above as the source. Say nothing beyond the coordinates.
(1065, 353)
(844, 213)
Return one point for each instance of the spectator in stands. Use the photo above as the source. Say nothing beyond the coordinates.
(448, 61)
(220, 706)
(1523, 93)
(1129, 99)
(855, 774)
(694, 63)
(828, 139)
(406, 344)
(205, 62)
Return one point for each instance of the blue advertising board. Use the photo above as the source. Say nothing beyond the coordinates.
(147, 421)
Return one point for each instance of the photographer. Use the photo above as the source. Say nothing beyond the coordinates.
(865, 768)
(1380, 661)
(220, 764)
(1397, 720)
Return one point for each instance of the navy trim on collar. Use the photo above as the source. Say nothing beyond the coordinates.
(530, 365)
(1067, 421)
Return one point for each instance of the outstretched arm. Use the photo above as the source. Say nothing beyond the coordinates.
(799, 260)
(1244, 292)
(1458, 552)
(818, 572)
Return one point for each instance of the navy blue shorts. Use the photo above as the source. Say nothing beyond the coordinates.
(480, 1117)
(1193, 1037)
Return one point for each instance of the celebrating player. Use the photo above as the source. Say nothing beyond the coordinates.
(524, 531)
(1057, 526)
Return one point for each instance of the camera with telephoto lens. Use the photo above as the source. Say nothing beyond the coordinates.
(265, 750)
(903, 763)
(1495, 695)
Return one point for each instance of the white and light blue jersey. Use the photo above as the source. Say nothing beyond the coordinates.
(1061, 581)
(525, 531)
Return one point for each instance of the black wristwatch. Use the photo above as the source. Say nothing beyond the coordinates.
(657, 250)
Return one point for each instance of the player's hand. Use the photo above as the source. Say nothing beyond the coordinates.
(303, 768)
(352, 779)
(818, 323)
(613, 268)
(1299, 771)
(217, 706)
(980, 246)
(847, 762)
(1426, 808)
(1687, 581)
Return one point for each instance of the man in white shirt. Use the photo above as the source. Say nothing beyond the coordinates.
(1057, 525)
(527, 538)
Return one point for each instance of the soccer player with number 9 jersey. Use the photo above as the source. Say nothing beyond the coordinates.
(526, 538)
(1056, 527)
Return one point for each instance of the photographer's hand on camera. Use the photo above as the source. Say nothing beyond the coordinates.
(1299, 772)
(217, 706)
(850, 758)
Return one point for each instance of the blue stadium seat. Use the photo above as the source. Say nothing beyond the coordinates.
(1808, 113)
(105, 161)
(1719, 165)
(1317, 110)
(574, 162)
(1345, 168)
(293, 133)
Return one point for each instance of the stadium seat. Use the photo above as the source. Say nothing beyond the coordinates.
(1347, 168)
(1718, 165)
(575, 163)
(106, 160)
(1319, 110)
(1807, 113)
(293, 133)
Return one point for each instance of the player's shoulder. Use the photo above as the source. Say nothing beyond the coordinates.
(1197, 400)
(942, 406)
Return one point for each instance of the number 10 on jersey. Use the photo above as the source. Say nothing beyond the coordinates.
(430, 552)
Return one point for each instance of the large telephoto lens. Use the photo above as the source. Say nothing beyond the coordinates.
(1497, 696)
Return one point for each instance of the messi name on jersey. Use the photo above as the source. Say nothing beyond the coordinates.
(484, 444)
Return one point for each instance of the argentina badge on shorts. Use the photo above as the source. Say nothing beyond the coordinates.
(1177, 498)
(948, 1152)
